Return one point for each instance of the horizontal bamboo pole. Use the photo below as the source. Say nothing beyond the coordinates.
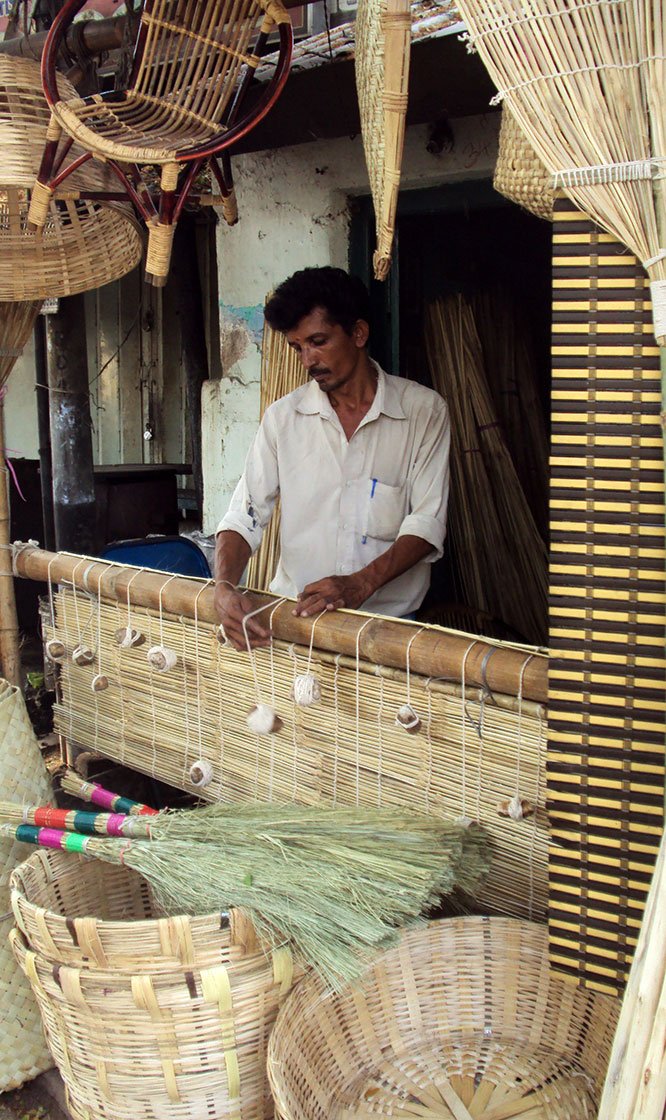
(435, 652)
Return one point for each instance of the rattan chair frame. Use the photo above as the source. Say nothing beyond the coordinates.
(177, 113)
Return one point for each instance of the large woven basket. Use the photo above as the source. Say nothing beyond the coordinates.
(23, 777)
(146, 1017)
(463, 1019)
(519, 173)
(84, 244)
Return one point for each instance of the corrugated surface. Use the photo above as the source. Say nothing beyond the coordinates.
(607, 695)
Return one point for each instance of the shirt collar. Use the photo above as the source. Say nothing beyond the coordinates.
(387, 399)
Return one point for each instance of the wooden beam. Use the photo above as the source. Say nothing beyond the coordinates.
(434, 652)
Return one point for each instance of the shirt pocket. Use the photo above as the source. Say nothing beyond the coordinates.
(385, 510)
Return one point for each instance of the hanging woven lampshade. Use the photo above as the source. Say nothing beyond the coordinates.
(519, 173)
(383, 40)
(85, 243)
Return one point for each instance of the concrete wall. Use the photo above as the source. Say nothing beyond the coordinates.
(294, 212)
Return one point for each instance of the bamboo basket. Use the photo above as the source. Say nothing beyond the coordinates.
(23, 1051)
(146, 1016)
(84, 244)
(519, 173)
(383, 43)
(463, 1019)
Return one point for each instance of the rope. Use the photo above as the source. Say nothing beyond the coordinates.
(464, 819)
(358, 707)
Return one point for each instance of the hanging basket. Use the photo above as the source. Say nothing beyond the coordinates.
(519, 173)
(148, 1017)
(23, 778)
(383, 41)
(464, 1018)
(84, 244)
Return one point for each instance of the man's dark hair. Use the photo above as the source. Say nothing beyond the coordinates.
(344, 298)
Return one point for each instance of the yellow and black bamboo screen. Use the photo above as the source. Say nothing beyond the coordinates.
(605, 762)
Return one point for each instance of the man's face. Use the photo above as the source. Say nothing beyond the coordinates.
(330, 355)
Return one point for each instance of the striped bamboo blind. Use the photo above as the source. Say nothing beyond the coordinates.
(605, 766)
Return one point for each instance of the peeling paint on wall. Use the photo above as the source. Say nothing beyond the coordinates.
(241, 331)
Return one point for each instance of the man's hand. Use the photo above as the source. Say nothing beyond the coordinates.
(232, 606)
(332, 593)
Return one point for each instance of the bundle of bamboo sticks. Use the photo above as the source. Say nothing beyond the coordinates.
(500, 557)
(281, 372)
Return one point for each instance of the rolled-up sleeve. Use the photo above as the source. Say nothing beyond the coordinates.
(254, 497)
(429, 483)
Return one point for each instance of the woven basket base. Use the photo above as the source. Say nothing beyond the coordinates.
(488, 1079)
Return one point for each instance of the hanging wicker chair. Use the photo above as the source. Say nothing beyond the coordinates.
(193, 65)
(85, 243)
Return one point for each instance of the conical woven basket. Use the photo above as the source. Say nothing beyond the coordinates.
(383, 41)
(147, 1017)
(23, 1050)
(463, 1019)
(519, 173)
(84, 244)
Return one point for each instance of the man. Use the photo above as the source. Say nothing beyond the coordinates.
(359, 459)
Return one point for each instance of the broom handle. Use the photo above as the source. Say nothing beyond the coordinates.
(98, 795)
(46, 837)
(75, 820)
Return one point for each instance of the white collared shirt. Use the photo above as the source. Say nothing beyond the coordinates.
(344, 502)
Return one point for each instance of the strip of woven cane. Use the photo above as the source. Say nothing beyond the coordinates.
(153, 1018)
(23, 778)
(16, 323)
(192, 57)
(84, 245)
(464, 1019)
(519, 173)
(470, 754)
(383, 39)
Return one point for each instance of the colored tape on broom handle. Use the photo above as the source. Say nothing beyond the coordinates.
(77, 820)
(112, 802)
(47, 837)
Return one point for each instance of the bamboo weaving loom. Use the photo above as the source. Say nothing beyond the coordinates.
(478, 753)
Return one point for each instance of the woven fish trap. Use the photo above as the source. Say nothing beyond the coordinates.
(471, 754)
(383, 40)
(85, 244)
(162, 1018)
(519, 173)
(463, 1019)
(23, 777)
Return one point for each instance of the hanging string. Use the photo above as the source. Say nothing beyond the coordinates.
(54, 648)
(271, 762)
(305, 688)
(130, 635)
(406, 716)
(358, 706)
(262, 719)
(160, 657)
(464, 819)
(517, 807)
(200, 774)
(336, 703)
(380, 741)
(428, 784)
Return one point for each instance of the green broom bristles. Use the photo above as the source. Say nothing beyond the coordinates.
(336, 883)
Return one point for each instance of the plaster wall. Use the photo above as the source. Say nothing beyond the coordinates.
(294, 212)
(20, 408)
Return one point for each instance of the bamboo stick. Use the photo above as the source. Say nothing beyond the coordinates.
(9, 636)
(434, 653)
(639, 1040)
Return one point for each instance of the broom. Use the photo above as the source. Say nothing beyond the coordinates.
(337, 883)
(586, 83)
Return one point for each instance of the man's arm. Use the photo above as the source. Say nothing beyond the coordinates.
(232, 553)
(335, 592)
(239, 535)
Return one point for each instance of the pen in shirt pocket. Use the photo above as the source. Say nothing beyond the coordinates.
(372, 494)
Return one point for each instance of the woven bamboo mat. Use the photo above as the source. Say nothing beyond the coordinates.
(470, 754)
(23, 1051)
(607, 603)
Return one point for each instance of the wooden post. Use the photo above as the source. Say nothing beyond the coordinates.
(71, 436)
(9, 642)
(436, 653)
